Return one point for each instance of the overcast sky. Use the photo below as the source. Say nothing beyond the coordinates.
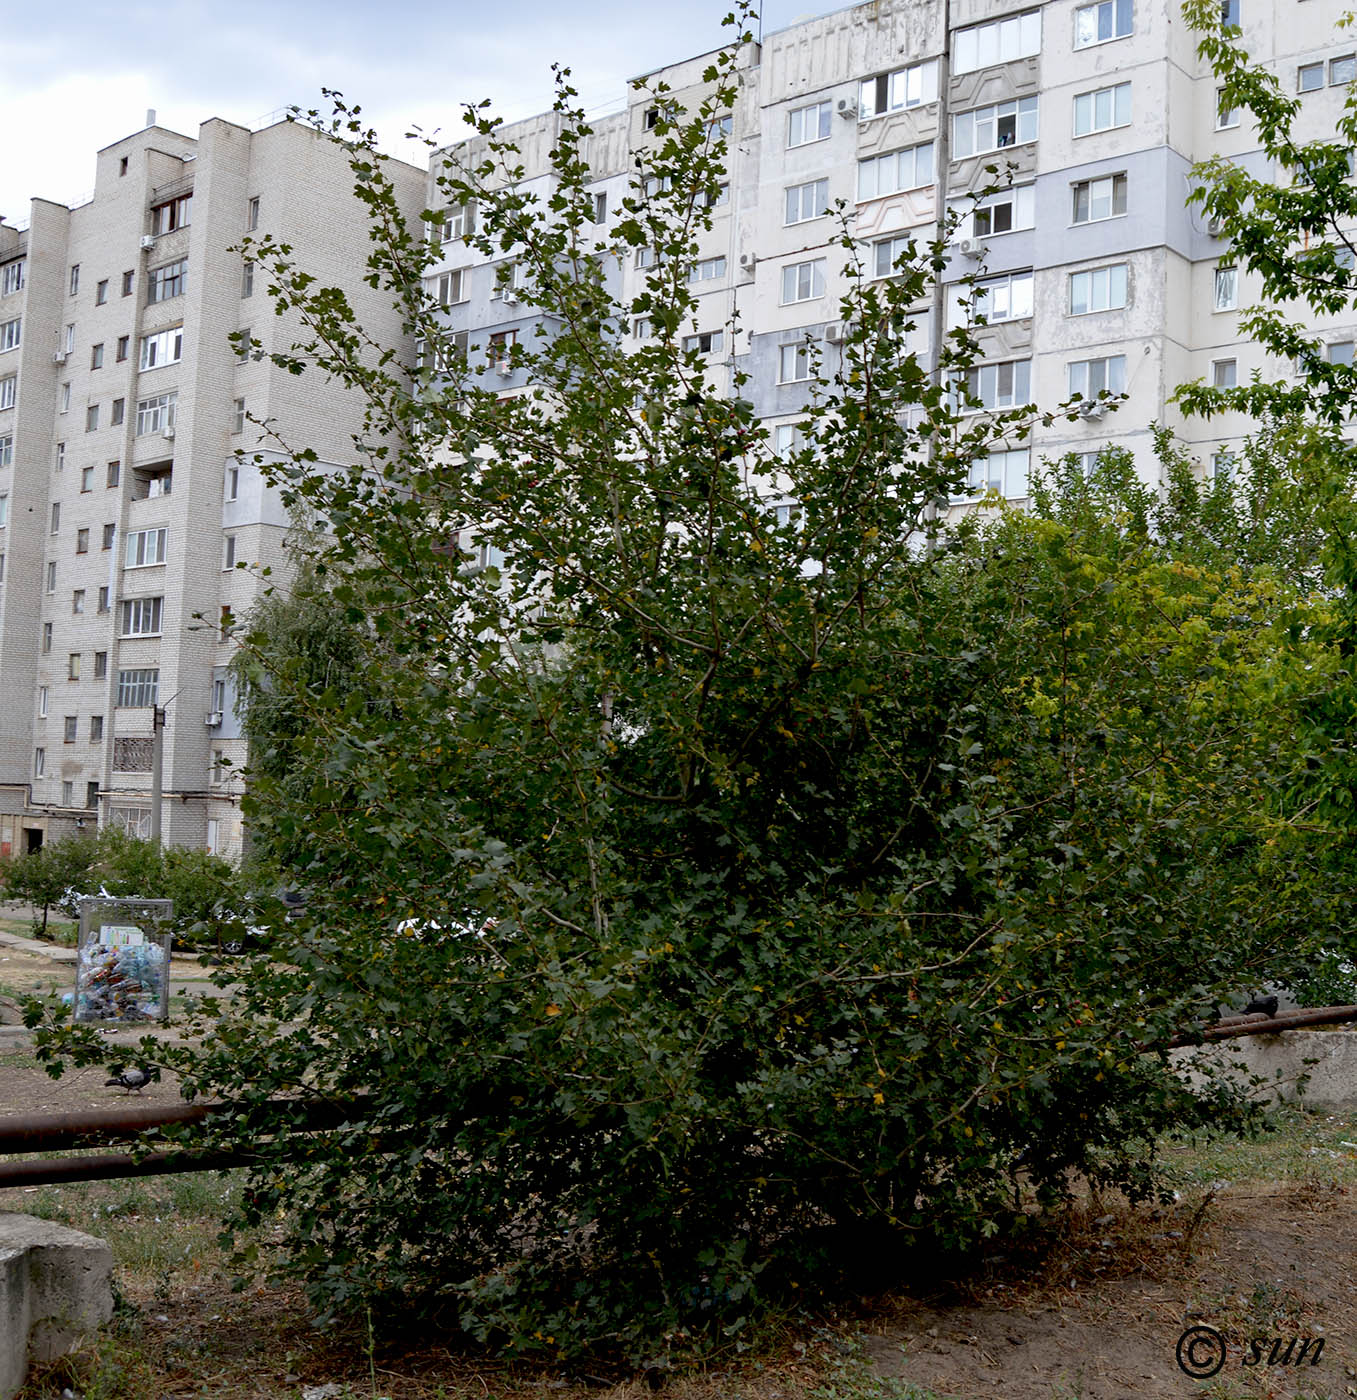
(81, 76)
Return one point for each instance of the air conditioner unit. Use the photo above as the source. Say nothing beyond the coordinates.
(213, 720)
(509, 297)
(504, 369)
(1092, 409)
(168, 432)
(848, 109)
(838, 332)
(147, 242)
(59, 358)
(748, 261)
(971, 247)
(1215, 227)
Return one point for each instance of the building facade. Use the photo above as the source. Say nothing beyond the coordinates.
(1096, 273)
(134, 522)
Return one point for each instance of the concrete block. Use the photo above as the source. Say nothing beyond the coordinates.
(1281, 1060)
(55, 1290)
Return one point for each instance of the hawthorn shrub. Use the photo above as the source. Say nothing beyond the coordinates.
(697, 892)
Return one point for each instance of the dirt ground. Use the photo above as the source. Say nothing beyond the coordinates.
(1262, 1244)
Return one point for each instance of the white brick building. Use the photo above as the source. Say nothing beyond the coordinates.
(123, 508)
(1102, 275)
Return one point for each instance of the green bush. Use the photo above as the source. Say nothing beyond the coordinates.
(702, 900)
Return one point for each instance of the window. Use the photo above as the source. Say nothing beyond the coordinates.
(42, 702)
(650, 118)
(1007, 298)
(1096, 24)
(2, 566)
(145, 547)
(252, 214)
(110, 531)
(67, 792)
(129, 281)
(64, 399)
(86, 479)
(244, 345)
(6, 449)
(167, 282)
(1003, 385)
(1003, 472)
(711, 198)
(458, 223)
(173, 214)
(82, 540)
(1309, 77)
(7, 394)
(103, 608)
(1090, 377)
(12, 277)
(11, 333)
(453, 287)
(124, 344)
(138, 687)
(1229, 14)
(889, 251)
(117, 412)
(807, 124)
(96, 731)
(51, 575)
(75, 278)
(112, 474)
(642, 328)
(61, 457)
(55, 524)
(1000, 41)
(68, 341)
(141, 617)
(1102, 289)
(73, 666)
(708, 270)
(645, 257)
(135, 821)
(808, 201)
(101, 292)
(247, 279)
(91, 417)
(498, 347)
(705, 342)
(1342, 70)
(4, 509)
(229, 553)
(1104, 198)
(601, 207)
(720, 126)
(893, 92)
(162, 348)
(78, 602)
(897, 170)
(993, 128)
(794, 362)
(1226, 116)
(156, 414)
(1226, 289)
(788, 439)
(39, 762)
(91, 794)
(1102, 109)
(70, 729)
(232, 483)
(97, 356)
(1340, 352)
(238, 417)
(803, 281)
(1224, 374)
(46, 638)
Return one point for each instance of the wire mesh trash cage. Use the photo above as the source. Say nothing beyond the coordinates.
(122, 969)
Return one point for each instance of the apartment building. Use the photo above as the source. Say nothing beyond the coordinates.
(1096, 272)
(134, 522)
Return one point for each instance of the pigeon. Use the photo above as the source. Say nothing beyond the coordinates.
(128, 1079)
(1267, 1005)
